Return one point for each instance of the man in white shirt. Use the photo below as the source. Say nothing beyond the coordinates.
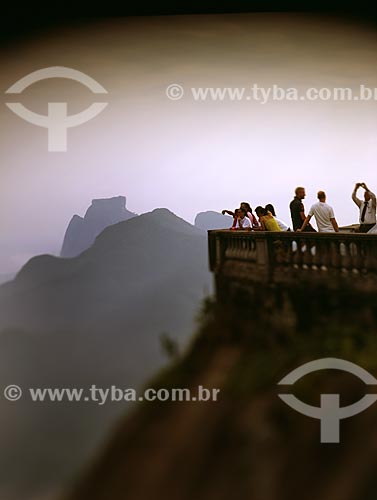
(324, 216)
(367, 208)
(243, 222)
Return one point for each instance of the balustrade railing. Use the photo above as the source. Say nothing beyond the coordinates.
(285, 256)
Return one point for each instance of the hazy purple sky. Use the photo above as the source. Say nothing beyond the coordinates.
(185, 155)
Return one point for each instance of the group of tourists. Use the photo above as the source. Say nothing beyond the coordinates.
(265, 218)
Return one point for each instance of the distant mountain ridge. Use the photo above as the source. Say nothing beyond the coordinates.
(126, 250)
(82, 231)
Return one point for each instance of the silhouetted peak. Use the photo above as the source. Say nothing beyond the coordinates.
(82, 231)
(114, 206)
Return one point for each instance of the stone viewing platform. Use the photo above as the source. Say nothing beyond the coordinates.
(239, 259)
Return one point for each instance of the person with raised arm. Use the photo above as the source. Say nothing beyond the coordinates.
(249, 212)
(367, 208)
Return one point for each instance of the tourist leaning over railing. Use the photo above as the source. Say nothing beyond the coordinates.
(282, 224)
(267, 220)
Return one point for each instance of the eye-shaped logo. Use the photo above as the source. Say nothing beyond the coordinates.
(57, 121)
(330, 412)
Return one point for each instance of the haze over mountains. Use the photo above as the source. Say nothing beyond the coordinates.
(126, 263)
(82, 231)
(92, 319)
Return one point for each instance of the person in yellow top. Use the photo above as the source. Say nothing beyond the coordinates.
(267, 220)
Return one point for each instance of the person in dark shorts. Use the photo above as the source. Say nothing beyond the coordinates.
(298, 211)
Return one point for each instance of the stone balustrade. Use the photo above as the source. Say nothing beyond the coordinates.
(334, 259)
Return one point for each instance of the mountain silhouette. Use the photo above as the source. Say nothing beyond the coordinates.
(82, 231)
(93, 319)
(128, 262)
(213, 220)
